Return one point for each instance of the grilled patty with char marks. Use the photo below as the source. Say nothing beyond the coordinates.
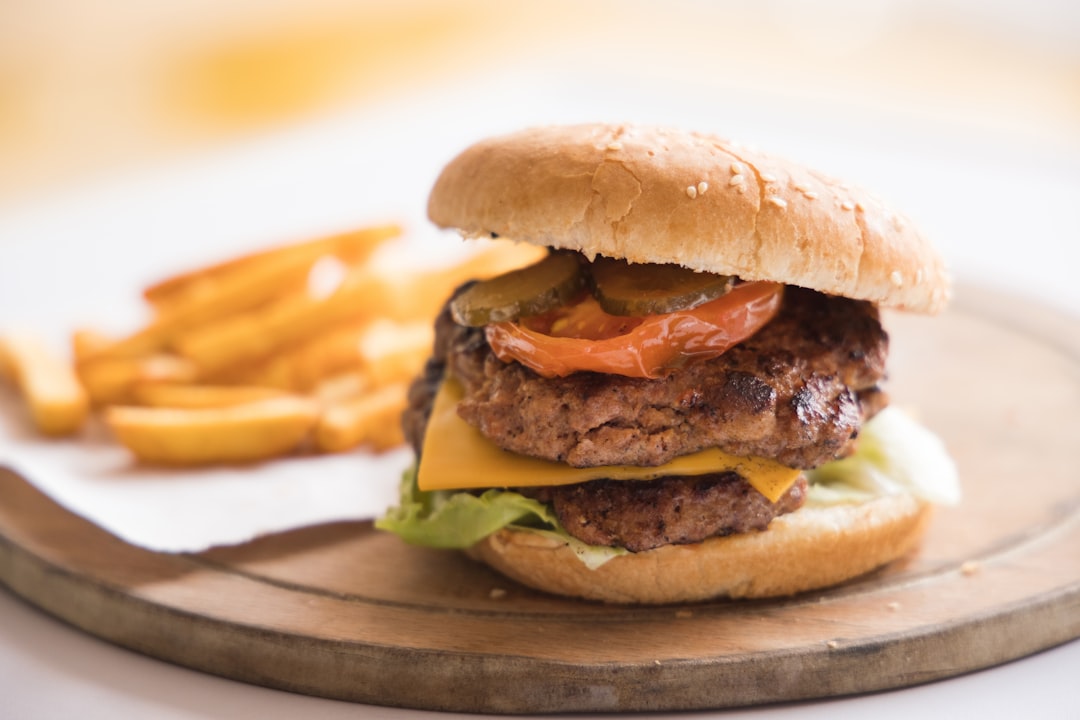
(644, 514)
(797, 392)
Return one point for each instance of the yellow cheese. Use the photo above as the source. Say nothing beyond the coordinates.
(456, 456)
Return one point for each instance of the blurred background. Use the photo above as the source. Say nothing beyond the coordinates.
(169, 132)
(88, 90)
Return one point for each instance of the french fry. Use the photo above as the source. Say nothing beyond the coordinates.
(111, 381)
(341, 387)
(236, 292)
(165, 395)
(57, 402)
(369, 419)
(387, 352)
(237, 434)
(149, 339)
(252, 337)
(419, 296)
(395, 352)
(352, 247)
(85, 343)
(7, 369)
(237, 286)
(302, 367)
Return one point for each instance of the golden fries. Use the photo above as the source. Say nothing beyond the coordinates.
(344, 386)
(56, 400)
(309, 346)
(303, 366)
(392, 352)
(236, 286)
(237, 340)
(86, 343)
(202, 396)
(352, 248)
(368, 419)
(236, 434)
(7, 369)
(412, 296)
(111, 381)
(250, 337)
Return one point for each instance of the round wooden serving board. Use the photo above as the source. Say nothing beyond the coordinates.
(346, 612)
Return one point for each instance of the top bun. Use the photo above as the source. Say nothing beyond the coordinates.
(654, 195)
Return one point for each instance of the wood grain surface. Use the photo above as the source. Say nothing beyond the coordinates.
(346, 612)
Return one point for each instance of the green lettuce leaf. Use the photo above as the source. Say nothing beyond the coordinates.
(456, 520)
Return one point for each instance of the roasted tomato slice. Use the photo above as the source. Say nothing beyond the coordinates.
(581, 336)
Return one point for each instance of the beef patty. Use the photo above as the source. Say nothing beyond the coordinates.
(797, 392)
(641, 515)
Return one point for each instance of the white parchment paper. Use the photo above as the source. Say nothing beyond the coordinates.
(177, 510)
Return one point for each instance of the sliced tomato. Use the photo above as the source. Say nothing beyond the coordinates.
(582, 336)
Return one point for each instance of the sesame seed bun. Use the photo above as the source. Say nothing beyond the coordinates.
(650, 195)
(809, 549)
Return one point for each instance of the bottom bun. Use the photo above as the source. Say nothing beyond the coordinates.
(807, 549)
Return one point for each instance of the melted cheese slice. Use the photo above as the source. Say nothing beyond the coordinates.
(456, 456)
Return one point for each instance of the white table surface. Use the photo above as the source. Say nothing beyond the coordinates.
(964, 196)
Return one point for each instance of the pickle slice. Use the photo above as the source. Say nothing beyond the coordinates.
(540, 287)
(646, 289)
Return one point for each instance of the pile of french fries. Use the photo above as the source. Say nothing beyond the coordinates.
(303, 348)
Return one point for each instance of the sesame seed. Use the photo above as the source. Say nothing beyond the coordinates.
(894, 606)
(832, 644)
(896, 278)
(777, 201)
(767, 177)
(614, 145)
(810, 195)
(918, 276)
(702, 187)
(800, 187)
(691, 192)
(969, 567)
(737, 168)
(859, 207)
(497, 594)
(847, 205)
(737, 180)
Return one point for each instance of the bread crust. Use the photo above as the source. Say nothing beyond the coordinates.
(665, 196)
(811, 548)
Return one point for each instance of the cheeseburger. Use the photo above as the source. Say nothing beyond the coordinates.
(683, 398)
